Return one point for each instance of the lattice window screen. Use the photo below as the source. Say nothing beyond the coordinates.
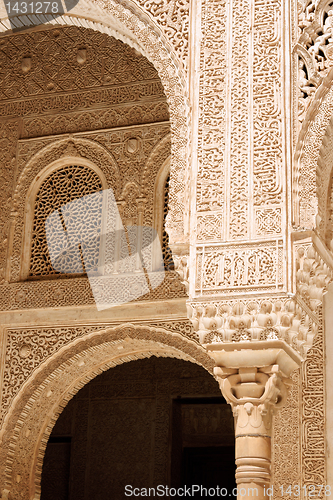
(62, 186)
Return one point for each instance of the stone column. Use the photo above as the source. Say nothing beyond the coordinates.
(254, 393)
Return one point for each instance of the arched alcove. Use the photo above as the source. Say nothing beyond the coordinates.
(48, 141)
(66, 179)
(150, 422)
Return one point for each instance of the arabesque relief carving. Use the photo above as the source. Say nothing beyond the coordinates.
(295, 320)
(239, 123)
(313, 449)
(28, 348)
(286, 453)
(239, 268)
(267, 97)
(173, 19)
(312, 63)
(124, 343)
(8, 141)
(256, 320)
(108, 151)
(210, 182)
(117, 117)
(173, 81)
(314, 50)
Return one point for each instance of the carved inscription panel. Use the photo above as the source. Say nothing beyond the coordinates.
(239, 268)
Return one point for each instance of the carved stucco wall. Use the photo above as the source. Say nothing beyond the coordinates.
(312, 106)
(304, 409)
(239, 183)
(112, 116)
(116, 90)
(227, 83)
(134, 25)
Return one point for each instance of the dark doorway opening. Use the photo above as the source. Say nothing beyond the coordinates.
(203, 449)
(209, 468)
(151, 422)
(56, 468)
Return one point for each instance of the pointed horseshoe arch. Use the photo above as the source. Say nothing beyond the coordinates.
(44, 395)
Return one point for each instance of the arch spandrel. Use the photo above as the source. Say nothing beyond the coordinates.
(46, 392)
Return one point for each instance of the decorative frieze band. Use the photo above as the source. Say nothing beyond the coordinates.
(237, 268)
(73, 292)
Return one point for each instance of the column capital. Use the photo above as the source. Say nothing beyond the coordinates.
(254, 394)
(254, 379)
(141, 203)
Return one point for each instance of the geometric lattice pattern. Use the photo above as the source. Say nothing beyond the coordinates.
(61, 187)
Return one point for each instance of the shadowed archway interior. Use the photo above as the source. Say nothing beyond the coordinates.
(157, 421)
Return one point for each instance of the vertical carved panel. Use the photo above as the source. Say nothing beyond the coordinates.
(267, 142)
(313, 415)
(239, 122)
(8, 141)
(210, 184)
(255, 118)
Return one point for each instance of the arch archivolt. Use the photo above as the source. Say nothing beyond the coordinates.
(46, 392)
(160, 34)
(307, 175)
